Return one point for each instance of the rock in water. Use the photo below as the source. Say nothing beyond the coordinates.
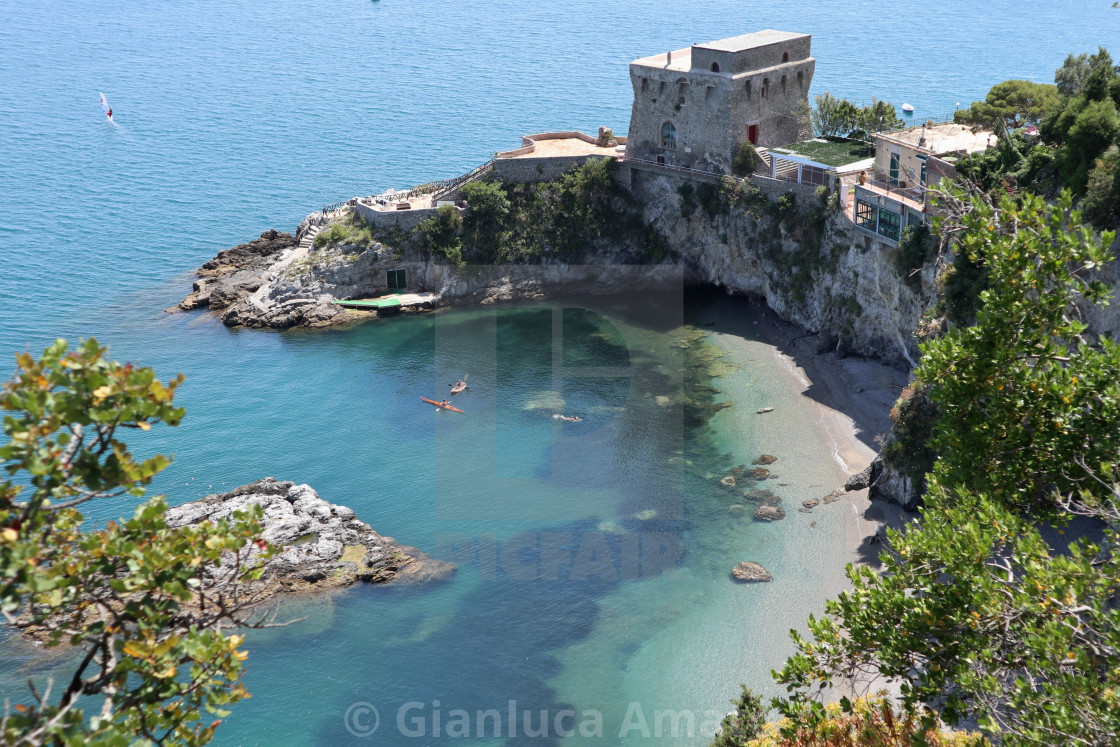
(729, 481)
(765, 409)
(760, 473)
(765, 459)
(323, 545)
(769, 513)
(748, 571)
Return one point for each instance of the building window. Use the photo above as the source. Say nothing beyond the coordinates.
(748, 89)
(669, 136)
(914, 218)
(765, 87)
(867, 214)
(925, 164)
(715, 67)
(783, 84)
(892, 174)
(785, 56)
(800, 79)
(890, 224)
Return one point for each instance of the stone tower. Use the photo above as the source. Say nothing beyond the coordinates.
(692, 107)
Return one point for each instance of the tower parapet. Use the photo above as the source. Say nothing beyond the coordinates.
(694, 106)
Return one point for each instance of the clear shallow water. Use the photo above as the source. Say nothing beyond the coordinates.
(234, 117)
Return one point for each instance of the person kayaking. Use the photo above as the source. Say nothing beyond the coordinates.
(109, 114)
(459, 386)
(444, 403)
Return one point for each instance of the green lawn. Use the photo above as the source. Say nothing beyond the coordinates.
(832, 153)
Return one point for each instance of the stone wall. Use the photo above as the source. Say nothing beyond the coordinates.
(403, 219)
(542, 169)
(713, 112)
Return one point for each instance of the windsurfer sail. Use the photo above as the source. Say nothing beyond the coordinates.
(105, 106)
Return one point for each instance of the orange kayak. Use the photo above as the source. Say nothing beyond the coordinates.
(441, 405)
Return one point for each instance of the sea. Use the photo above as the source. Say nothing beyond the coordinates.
(593, 602)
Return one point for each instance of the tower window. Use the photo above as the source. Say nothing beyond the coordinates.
(765, 87)
(669, 136)
(785, 56)
(748, 89)
(783, 84)
(715, 67)
(800, 79)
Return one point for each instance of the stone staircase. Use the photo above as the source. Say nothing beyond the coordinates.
(308, 240)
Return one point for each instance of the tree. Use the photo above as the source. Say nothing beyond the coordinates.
(1102, 196)
(987, 620)
(144, 606)
(742, 724)
(746, 159)
(1071, 76)
(1011, 104)
(1096, 127)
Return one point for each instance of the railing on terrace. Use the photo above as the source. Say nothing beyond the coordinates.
(681, 169)
(334, 207)
(916, 194)
(449, 185)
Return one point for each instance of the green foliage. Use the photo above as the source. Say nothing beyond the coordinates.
(1011, 104)
(1071, 76)
(735, 193)
(742, 724)
(1096, 127)
(832, 116)
(1102, 195)
(869, 721)
(685, 191)
(441, 234)
(132, 597)
(987, 621)
(562, 219)
(961, 286)
(912, 421)
(916, 247)
(746, 159)
(350, 230)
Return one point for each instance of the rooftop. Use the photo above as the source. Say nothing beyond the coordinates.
(835, 153)
(568, 146)
(750, 41)
(943, 138)
(682, 60)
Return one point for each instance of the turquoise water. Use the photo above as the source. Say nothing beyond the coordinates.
(234, 117)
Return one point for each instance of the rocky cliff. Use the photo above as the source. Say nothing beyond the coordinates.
(811, 266)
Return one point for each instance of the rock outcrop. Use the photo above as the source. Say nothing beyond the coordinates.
(324, 545)
(750, 572)
(237, 272)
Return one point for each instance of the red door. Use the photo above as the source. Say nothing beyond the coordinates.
(752, 134)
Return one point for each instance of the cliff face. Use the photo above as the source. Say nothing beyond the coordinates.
(811, 265)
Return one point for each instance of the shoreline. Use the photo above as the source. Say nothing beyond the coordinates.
(848, 398)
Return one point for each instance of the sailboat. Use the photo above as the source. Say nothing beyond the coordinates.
(105, 108)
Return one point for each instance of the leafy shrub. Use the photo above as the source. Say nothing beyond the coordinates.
(916, 247)
(746, 159)
(350, 230)
(441, 234)
(742, 724)
(912, 421)
(864, 722)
